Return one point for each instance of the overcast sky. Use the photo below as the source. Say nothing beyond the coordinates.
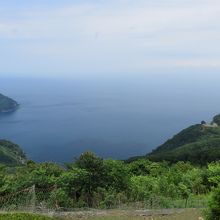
(82, 38)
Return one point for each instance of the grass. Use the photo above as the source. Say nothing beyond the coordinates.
(23, 216)
(188, 214)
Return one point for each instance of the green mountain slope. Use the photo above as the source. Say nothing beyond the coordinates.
(198, 144)
(11, 154)
(7, 104)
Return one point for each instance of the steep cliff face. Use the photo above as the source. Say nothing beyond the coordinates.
(7, 104)
(11, 154)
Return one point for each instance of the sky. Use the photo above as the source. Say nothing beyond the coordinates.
(72, 38)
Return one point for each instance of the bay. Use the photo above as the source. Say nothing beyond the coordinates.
(58, 119)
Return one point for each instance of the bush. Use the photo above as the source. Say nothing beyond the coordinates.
(59, 199)
(213, 212)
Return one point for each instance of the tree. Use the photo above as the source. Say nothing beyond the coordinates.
(97, 174)
(143, 186)
(140, 167)
(214, 173)
(193, 179)
(117, 175)
(74, 182)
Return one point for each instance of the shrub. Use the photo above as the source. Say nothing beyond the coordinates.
(213, 212)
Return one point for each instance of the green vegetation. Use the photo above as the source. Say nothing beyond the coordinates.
(11, 154)
(213, 212)
(189, 214)
(216, 119)
(93, 182)
(7, 104)
(182, 173)
(23, 216)
(199, 144)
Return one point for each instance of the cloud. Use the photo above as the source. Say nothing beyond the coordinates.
(118, 35)
(87, 19)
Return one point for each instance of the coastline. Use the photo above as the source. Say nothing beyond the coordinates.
(15, 108)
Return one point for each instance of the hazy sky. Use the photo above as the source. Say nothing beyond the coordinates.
(79, 37)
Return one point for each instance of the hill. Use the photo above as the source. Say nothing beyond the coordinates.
(11, 154)
(198, 144)
(7, 104)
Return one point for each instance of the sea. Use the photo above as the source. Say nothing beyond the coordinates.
(117, 117)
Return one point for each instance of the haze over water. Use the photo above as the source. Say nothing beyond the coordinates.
(115, 117)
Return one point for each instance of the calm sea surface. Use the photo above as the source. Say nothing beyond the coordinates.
(119, 118)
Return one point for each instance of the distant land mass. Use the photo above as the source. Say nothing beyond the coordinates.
(198, 144)
(11, 154)
(7, 104)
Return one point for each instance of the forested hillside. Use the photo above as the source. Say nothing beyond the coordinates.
(198, 144)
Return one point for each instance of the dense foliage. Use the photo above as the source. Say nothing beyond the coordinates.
(7, 104)
(11, 154)
(91, 181)
(216, 119)
(199, 144)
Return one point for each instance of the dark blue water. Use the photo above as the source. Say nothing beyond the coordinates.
(119, 118)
